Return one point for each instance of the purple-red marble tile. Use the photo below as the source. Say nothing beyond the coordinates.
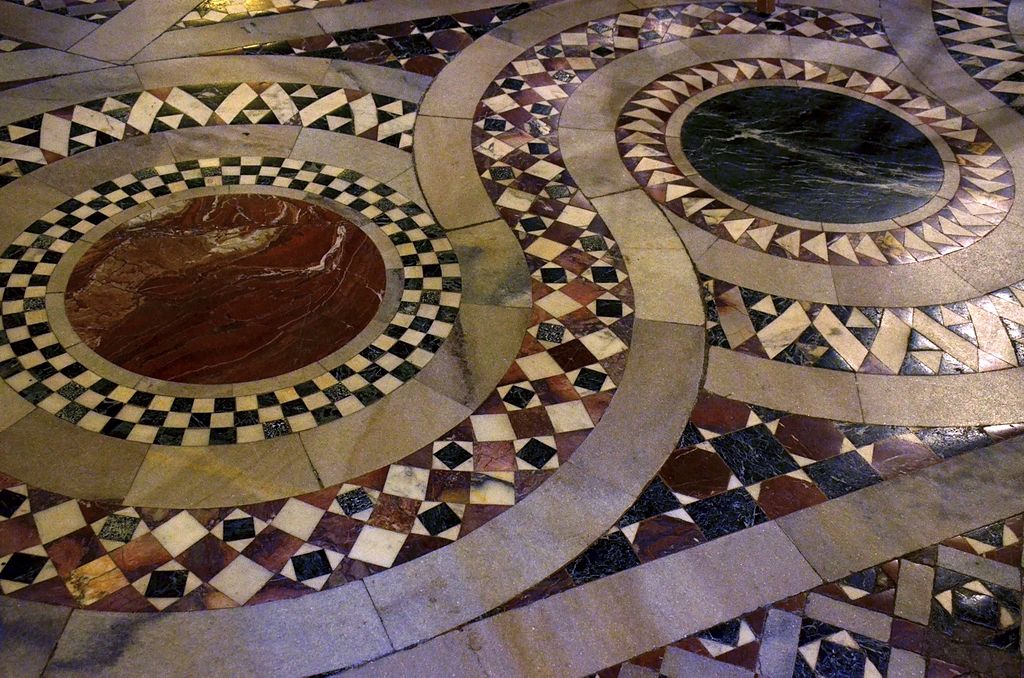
(695, 472)
(783, 495)
(226, 288)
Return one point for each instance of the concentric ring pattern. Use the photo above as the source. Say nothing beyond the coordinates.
(599, 365)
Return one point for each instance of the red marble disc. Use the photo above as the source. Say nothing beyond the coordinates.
(226, 288)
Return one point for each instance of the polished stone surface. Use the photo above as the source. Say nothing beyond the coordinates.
(812, 154)
(226, 288)
(606, 420)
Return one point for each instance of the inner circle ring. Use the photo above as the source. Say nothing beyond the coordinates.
(35, 363)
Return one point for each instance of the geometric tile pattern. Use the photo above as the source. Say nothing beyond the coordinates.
(543, 409)
(737, 465)
(96, 11)
(551, 397)
(43, 139)
(855, 627)
(426, 45)
(420, 45)
(979, 204)
(569, 250)
(977, 35)
(35, 364)
(977, 335)
(217, 11)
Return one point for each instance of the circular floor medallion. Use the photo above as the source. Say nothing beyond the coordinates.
(38, 360)
(226, 288)
(812, 154)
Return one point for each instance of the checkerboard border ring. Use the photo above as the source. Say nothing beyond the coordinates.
(980, 202)
(35, 364)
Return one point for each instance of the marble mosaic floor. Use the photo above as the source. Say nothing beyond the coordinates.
(485, 338)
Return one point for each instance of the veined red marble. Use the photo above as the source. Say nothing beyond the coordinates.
(226, 288)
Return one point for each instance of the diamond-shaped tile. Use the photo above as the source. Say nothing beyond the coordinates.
(25, 568)
(312, 566)
(439, 520)
(354, 502)
(119, 528)
(167, 585)
(179, 533)
(536, 453)
(453, 455)
(238, 529)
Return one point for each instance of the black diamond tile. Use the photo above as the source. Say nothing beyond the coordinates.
(590, 380)
(726, 513)
(23, 568)
(654, 501)
(843, 474)
(167, 584)
(754, 454)
(518, 396)
(439, 518)
(608, 555)
(536, 454)
(311, 565)
(10, 502)
(355, 501)
(239, 528)
(452, 455)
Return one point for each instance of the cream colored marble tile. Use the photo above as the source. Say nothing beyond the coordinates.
(59, 520)
(377, 546)
(297, 518)
(241, 579)
(840, 338)
(179, 533)
(784, 330)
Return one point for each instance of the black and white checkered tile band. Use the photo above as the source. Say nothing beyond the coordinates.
(36, 365)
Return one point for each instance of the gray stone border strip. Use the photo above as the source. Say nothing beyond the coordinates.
(979, 399)
(43, 63)
(307, 23)
(127, 32)
(245, 641)
(588, 628)
(1015, 20)
(572, 632)
(42, 27)
(890, 519)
